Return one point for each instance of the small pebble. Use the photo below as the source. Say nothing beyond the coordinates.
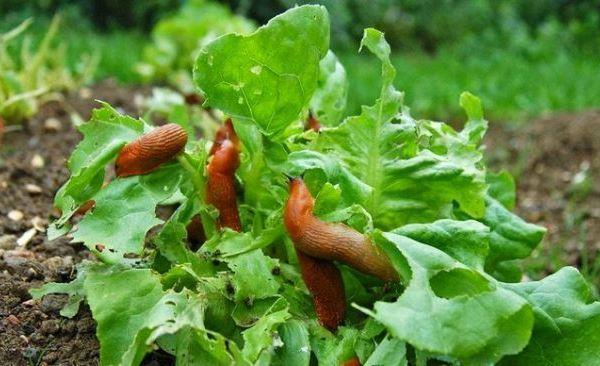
(8, 242)
(26, 237)
(52, 125)
(50, 326)
(37, 161)
(85, 93)
(39, 224)
(33, 189)
(15, 215)
(13, 320)
(28, 303)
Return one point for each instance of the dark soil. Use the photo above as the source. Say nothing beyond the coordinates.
(549, 157)
(33, 332)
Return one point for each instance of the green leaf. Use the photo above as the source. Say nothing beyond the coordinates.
(269, 76)
(567, 321)
(510, 237)
(296, 344)
(459, 311)
(329, 101)
(476, 125)
(103, 137)
(332, 349)
(74, 289)
(502, 188)
(261, 335)
(172, 313)
(125, 211)
(121, 302)
(390, 352)
(252, 275)
(415, 169)
(466, 241)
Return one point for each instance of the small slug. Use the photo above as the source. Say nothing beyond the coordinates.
(313, 123)
(324, 282)
(331, 241)
(220, 183)
(354, 361)
(85, 207)
(150, 150)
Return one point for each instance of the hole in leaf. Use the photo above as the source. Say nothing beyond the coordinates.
(459, 282)
(172, 303)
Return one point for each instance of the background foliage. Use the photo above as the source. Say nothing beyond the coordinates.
(525, 58)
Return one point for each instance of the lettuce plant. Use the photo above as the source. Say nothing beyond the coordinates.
(38, 73)
(177, 38)
(417, 188)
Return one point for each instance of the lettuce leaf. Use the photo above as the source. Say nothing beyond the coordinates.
(269, 76)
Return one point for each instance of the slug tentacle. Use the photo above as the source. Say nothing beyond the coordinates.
(150, 150)
(331, 241)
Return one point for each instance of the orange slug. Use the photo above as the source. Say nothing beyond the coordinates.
(220, 184)
(193, 99)
(354, 361)
(313, 124)
(85, 207)
(150, 150)
(325, 284)
(331, 241)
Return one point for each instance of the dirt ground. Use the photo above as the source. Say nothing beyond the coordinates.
(32, 168)
(550, 156)
(557, 165)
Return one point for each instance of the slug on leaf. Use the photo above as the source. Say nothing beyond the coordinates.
(150, 150)
(313, 124)
(331, 241)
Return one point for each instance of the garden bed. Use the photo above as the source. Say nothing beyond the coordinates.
(550, 155)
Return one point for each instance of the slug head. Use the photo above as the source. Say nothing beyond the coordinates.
(299, 208)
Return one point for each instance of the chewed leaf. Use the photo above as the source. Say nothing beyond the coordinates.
(269, 76)
(329, 101)
(120, 308)
(74, 289)
(459, 311)
(125, 211)
(103, 137)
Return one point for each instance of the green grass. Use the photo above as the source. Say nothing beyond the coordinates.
(512, 88)
(117, 51)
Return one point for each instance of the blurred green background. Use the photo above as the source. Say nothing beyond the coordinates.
(523, 58)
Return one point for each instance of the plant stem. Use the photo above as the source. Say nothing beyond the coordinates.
(208, 223)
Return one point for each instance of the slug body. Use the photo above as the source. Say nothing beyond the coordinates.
(313, 124)
(325, 284)
(150, 150)
(330, 241)
(354, 361)
(220, 184)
